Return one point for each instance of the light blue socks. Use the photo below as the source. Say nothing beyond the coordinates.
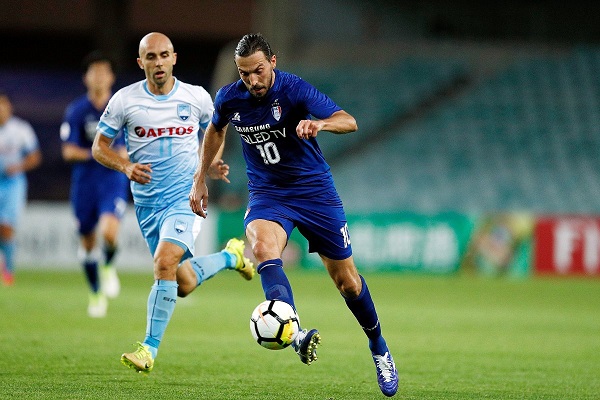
(208, 266)
(161, 304)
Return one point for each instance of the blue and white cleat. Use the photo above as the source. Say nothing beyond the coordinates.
(306, 344)
(387, 375)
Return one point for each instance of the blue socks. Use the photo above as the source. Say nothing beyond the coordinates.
(8, 249)
(363, 309)
(90, 267)
(274, 281)
(109, 254)
(161, 304)
(208, 266)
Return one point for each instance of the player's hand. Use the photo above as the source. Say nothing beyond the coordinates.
(307, 128)
(140, 173)
(199, 199)
(219, 170)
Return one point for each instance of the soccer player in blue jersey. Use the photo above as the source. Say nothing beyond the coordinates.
(290, 186)
(163, 117)
(19, 153)
(98, 194)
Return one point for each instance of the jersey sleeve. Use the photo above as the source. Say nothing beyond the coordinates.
(316, 103)
(113, 118)
(219, 118)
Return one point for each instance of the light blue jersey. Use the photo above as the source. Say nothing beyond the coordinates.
(17, 140)
(162, 131)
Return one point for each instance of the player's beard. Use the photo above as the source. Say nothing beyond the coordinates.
(160, 82)
(267, 86)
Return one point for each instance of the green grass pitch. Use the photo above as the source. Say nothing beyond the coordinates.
(452, 338)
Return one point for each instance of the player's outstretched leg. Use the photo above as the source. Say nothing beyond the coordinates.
(306, 344)
(140, 359)
(363, 309)
(243, 265)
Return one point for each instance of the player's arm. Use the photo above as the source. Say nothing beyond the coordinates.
(338, 122)
(212, 145)
(31, 161)
(218, 169)
(74, 153)
(105, 155)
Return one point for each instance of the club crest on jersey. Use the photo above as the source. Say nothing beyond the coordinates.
(276, 110)
(184, 111)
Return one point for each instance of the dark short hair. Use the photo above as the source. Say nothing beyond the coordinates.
(94, 57)
(251, 43)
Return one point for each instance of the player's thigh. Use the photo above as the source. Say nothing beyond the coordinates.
(176, 224)
(268, 228)
(180, 226)
(111, 210)
(323, 223)
(85, 209)
(166, 260)
(267, 239)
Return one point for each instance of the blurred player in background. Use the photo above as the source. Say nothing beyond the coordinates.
(98, 194)
(163, 118)
(19, 153)
(290, 186)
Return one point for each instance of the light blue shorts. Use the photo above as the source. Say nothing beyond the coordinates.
(175, 223)
(13, 196)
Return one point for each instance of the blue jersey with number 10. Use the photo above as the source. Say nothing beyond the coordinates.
(278, 162)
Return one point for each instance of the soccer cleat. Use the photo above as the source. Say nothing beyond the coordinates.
(243, 264)
(97, 305)
(141, 360)
(109, 282)
(306, 344)
(8, 278)
(387, 375)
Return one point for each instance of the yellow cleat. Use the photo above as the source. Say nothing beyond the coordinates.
(141, 360)
(243, 265)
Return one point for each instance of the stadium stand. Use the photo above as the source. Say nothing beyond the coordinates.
(526, 138)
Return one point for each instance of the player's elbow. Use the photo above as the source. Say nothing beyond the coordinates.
(96, 148)
(353, 125)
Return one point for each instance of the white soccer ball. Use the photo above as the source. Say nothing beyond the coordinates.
(274, 324)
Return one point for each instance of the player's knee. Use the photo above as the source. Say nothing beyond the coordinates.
(264, 251)
(348, 286)
(163, 269)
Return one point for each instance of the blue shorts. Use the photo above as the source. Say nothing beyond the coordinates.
(320, 219)
(176, 224)
(13, 196)
(90, 201)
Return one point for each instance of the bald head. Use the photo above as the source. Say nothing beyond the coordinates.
(157, 58)
(154, 39)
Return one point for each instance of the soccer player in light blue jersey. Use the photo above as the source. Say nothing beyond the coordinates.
(19, 153)
(162, 118)
(290, 186)
(98, 194)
